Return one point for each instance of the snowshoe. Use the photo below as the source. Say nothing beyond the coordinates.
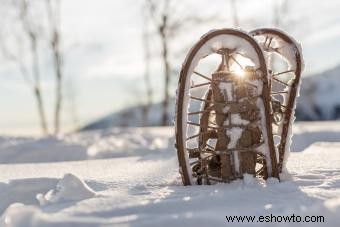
(224, 117)
(285, 64)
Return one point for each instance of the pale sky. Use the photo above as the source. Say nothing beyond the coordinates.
(104, 57)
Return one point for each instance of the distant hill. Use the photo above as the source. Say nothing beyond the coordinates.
(320, 96)
(133, 117)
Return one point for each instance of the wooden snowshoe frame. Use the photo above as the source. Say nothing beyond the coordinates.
(205, 163)
(290, 90)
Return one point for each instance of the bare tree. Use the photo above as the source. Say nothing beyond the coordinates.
(53, 12)
(147, 58)
(168, 24)
(280, 10)
(33, 27)
(70, 103)
(234, 13)
(160, 15)
(30, 74)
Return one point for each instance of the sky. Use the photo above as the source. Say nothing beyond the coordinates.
(103, 54)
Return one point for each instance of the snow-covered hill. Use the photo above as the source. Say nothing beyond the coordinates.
(138, 183)
(133, 117)
(319, 96)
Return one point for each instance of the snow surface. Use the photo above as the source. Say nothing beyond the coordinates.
(142, 187)
(68, 188)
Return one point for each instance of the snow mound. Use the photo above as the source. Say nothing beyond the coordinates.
(333, 205)
(69, 188)
(23, 190)
(122, 142)
(248, 179)
(18, 214)
(307, 133)
(95, 144)
(31, 150)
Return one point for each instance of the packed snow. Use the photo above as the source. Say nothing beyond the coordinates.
(129, 177)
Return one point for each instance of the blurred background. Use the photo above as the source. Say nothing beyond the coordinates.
(84, 64)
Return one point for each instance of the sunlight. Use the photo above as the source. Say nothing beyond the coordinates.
(240, 64)
(239, 72)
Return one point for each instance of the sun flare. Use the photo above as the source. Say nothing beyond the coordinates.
(240, 63)
(240, 72)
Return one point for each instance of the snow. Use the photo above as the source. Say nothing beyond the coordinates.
(248, 179)
(143, 188)
(69, 188)
(236, 119)
(307, 133)
(49, 149)
(96, 144)
(235, 134)
(227, 90)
